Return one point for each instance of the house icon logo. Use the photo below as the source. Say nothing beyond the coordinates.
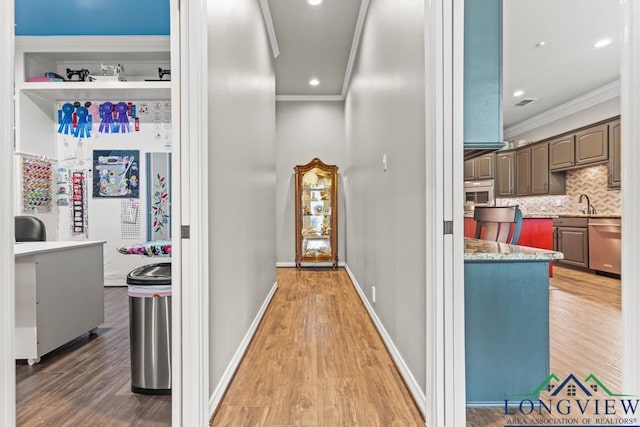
(571, 386)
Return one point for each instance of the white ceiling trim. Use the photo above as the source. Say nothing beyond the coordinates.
(364, 6)
(309, 98)
(268, 21)
(589, 99)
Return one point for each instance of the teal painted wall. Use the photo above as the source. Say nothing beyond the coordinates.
(91, 17)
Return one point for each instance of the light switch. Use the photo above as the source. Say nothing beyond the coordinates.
(384, 162)
(558, 202)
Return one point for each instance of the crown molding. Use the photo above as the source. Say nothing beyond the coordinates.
(589, 99)
(364, 6)
(314, 98)
(271, 32)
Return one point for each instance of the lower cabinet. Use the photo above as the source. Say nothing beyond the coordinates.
(571, 237)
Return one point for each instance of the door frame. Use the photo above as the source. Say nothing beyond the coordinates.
(445, 280)
(7, 259)
(630, 121)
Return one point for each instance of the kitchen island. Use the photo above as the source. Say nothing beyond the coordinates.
(506, 320)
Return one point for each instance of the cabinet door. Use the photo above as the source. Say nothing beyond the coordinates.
(470, 169)
(505, 174)
(483, 74)
(523, 171)
(484, 167)
(614, 155)
(539, 169)
(592, 145)
(573, 243)
(561, 153)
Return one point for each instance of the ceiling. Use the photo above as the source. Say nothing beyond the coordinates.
(316, 42)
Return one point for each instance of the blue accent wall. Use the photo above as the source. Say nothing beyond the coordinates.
(91, 17)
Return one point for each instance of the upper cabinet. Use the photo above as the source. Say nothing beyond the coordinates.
(531, 172)
(483, 74)
(592, 145)
(482, 167)
(505, 173)
(561, 153)
(578, 149)
(614, 155)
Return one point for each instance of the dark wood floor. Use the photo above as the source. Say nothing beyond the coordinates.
(87, 381)
(585, 334)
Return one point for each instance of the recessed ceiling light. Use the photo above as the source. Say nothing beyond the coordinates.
(314, 2)
(541, 43)
(518, 93)
(602, 43)
(314, 82)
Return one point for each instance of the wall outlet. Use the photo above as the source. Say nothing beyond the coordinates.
(558, 202)
(373, 294)
(543, 208)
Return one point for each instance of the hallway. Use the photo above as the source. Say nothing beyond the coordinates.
(317, 360)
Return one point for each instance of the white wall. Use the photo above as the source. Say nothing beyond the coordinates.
(306, 130)
(242, 175)
(385, 113)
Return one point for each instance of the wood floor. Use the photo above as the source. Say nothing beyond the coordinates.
(87, 381)
(585, 334)
(317, 360)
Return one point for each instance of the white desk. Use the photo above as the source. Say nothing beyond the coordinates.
(59, 294)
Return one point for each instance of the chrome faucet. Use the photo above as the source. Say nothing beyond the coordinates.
(590, 209)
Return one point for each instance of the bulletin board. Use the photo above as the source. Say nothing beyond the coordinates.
(115, 165)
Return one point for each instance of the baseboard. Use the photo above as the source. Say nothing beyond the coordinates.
(285, 264)
(293, 264)
(405, 372)
(222, 386)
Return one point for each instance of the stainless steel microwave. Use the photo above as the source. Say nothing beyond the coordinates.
(479, 193)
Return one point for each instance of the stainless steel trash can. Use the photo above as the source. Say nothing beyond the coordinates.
(150, 328)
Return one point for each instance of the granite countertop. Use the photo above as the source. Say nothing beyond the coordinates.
(485, 250)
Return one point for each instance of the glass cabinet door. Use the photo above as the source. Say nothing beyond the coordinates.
(316, 212)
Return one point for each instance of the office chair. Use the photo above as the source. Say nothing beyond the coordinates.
(29, 229)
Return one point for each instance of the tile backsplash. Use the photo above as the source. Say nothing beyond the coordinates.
(591, 181)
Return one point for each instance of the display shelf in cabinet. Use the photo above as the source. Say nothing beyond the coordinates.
(316, 213)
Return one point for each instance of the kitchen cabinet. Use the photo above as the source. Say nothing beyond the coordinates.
(614, 155)
(562, 153)
(505, 173)
(592, 145)
(539, 169)
(523, 171)
(316, 210)
(578, 149)
(483, 74)
(532, 175)
(482, 167)
(571, 237)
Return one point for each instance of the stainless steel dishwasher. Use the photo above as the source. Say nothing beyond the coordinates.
(605, 244)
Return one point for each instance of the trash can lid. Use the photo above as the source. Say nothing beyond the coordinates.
(151, 274)
(151, 291)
